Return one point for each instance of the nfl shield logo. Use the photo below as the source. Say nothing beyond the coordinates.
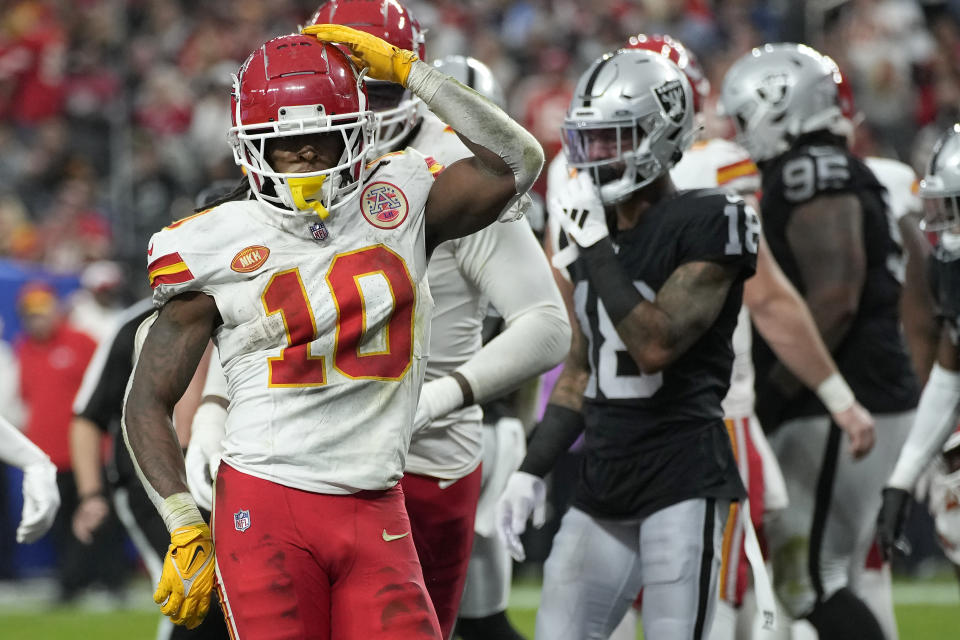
(241, 520)
(319, 231)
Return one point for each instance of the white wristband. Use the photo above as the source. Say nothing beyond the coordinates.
(180, 510)
(835, 393)
(441, 396)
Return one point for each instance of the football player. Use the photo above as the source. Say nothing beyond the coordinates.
(939, 403)
(943, 499)
(826, 223)
(779, 314)
(501, 265)
(41, 498)
(314, 291)
(649, 365)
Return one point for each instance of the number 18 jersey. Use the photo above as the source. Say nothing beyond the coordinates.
(656, 439)
(325, 327)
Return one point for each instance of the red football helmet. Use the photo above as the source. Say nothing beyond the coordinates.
(395, 107)
(295, 85)
(678, 54)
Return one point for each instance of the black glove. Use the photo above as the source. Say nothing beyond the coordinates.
(890, 522)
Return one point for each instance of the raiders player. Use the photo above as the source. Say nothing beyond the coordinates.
(937, 413)
(826, 223)
(649, 365)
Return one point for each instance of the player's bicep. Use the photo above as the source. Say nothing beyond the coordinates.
(947, 352)
(826, 238)
(173, 348)
(465, 197)
(692, 298)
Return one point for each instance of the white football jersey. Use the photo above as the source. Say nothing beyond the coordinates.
(901, 184)
(721, 163)
(452, 447)
(707, 164)
(325, 327)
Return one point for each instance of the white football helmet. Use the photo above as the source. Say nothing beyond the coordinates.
(940, 189)
(777, 92)
(474, 74)
(630, 120)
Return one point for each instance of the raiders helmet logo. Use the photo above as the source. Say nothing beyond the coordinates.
(670, 95)
(773, 89)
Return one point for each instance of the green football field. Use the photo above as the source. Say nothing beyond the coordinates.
(925, 611)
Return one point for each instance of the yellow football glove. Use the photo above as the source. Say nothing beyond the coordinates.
(187, 579)
(384, 61)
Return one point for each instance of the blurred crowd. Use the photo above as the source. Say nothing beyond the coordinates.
(113, 112)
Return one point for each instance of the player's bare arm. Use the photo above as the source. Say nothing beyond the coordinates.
(169, 358)
(826, 238)
(657, 333)
(920, 327)
(780, 315)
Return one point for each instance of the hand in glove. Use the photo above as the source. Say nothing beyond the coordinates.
(41, 499)
(890, 522)
(383, 60)
(524, 496)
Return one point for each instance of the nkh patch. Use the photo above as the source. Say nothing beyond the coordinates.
(670, 95)
(384, 205)
(250, 259)
(241, 520)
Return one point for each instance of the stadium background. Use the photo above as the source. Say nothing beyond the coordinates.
(113, 116)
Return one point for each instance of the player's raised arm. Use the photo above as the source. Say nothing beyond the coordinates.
(168, 359)
(41, 499)
(507, 159)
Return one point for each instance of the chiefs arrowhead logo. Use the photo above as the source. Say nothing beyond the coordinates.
(250, 259)
(150, 250)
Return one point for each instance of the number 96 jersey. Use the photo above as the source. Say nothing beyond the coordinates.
(325, 327)
(656, 439)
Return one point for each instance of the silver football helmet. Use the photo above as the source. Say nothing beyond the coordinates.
(630, 120)
(778, 92)
(940, 190)
(474, 74)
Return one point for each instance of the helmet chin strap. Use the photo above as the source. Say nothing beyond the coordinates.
(314, 188)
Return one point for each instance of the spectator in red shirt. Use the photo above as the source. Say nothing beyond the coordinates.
(52, 357)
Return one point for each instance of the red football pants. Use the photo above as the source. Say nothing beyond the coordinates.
(442, 523)
(293, 564)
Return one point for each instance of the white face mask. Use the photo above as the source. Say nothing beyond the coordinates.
(950, 242)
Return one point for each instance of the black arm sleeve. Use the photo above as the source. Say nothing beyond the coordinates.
(555, 434)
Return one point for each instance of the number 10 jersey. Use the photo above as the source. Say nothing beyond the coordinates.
(325, 327)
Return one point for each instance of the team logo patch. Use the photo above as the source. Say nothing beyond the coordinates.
(773, 89)
(241, 520)
(250, 259)
(384, 205)
(670, 95)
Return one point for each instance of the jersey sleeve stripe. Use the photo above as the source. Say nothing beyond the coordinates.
(435, 167)
(164, 261)
(735, 170)
(386, 155)
(168, 269)
(177, 277)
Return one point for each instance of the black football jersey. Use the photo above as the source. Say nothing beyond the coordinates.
(872, 356)
(654, 440)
